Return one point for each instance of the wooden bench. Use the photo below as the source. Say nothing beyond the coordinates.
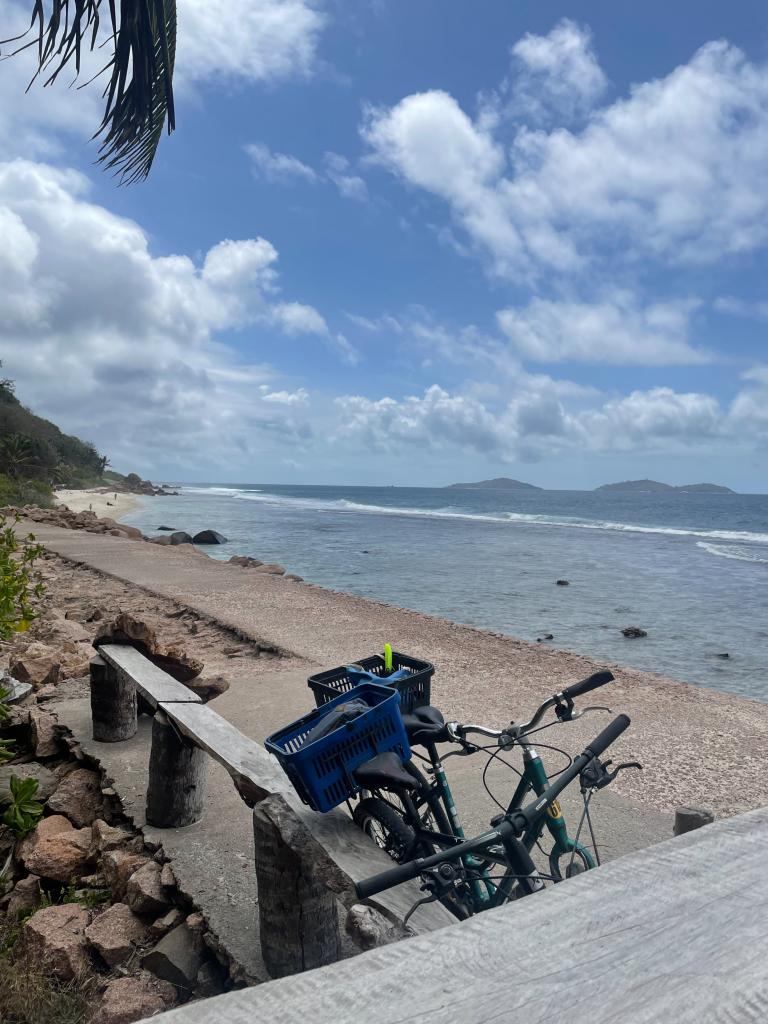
(307, 864)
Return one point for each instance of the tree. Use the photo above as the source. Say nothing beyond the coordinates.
(103, 463)
(17, 455)
(141, 51)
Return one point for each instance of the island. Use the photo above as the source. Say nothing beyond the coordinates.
(644, 486)
(499, 483)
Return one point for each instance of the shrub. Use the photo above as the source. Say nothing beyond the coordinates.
(21, 585)
(23, 811)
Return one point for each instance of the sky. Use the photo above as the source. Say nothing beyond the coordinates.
(407, 243)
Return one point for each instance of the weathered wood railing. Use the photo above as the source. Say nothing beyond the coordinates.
(307, 864)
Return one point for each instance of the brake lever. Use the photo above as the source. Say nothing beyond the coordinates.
(592, 707)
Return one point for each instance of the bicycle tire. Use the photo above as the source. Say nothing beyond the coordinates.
(386, 828)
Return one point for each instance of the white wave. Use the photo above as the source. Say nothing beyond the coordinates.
(344, 505)
(729, 551)
(237, 491)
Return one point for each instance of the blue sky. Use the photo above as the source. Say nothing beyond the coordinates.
(408, 243)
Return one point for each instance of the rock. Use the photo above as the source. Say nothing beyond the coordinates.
(55, 936)
(273, 569)
(118, 866)
(25, 897)
(293, 577)
(208, 687)
(180, 537)
(105, 837)
(45, 739)
(46, 780)
(145, 893)
(170, 529)
(546, 636)
(115, 933)
(134, 998)
(633, 632)
(369, 928)
(38, 665)
(56, 850)
(167, 877)
(79, 797)
(175, 958)
(165, 541)
(562, 583)
(166, 923)
(208, 537)
(131, 531)
(210, 981)
(720, 654)
(142, 634)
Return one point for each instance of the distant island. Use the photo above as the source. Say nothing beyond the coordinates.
(499, 483)
(656, 485)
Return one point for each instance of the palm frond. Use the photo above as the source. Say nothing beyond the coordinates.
(139, 94)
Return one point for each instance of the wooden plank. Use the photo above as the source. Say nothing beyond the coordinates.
(674, 933)
(349, 856)
(153, 684)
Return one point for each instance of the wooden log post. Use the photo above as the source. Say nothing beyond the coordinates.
(113, 702)
(298, 914)
(689, 818)
(177, 772)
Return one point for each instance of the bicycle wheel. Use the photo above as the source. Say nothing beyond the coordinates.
(386, 828)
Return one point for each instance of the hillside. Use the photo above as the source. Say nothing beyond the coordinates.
(36, 456)
(643, 486)
(499, 483)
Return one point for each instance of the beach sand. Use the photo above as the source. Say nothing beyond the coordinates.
(100, 500)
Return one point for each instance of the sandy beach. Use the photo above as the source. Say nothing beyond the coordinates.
(100, 500)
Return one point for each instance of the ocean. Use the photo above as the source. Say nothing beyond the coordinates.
(690, 568)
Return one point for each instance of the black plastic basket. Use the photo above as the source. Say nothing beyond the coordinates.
(414, 690)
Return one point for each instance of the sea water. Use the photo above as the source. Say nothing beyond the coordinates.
(690, 568)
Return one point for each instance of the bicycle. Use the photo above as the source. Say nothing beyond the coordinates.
(424, 819)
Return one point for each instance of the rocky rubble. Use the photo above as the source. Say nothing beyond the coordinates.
(94, 902)
(69, 520)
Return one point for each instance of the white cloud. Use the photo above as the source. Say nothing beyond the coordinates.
(298, 397)
(297, 318)
(535, 422)
(675, 171)
(350, 186)
(278, 168)
(556, 74)
(741, 307)
(120, 346)
(256, 40)
(616, 330)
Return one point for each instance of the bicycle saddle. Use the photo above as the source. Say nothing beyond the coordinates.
(425, 725)
(382, 772)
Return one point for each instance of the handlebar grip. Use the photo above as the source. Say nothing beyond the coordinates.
(608, 736)
(590, 683)
(387, 879)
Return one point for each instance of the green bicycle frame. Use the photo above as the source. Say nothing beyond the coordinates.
(485, 892)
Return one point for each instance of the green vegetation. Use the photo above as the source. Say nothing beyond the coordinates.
(23, 811)
(21, 584)
(35, 456)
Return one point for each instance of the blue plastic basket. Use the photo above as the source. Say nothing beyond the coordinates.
(321, 772)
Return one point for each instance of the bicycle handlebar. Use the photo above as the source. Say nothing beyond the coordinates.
(387, 879)
(590, 683)
(609, 735)
(517, 821)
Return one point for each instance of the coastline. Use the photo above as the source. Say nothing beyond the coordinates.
(101, 500)
(685, 735)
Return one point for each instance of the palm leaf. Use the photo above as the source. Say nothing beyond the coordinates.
(139, 93)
